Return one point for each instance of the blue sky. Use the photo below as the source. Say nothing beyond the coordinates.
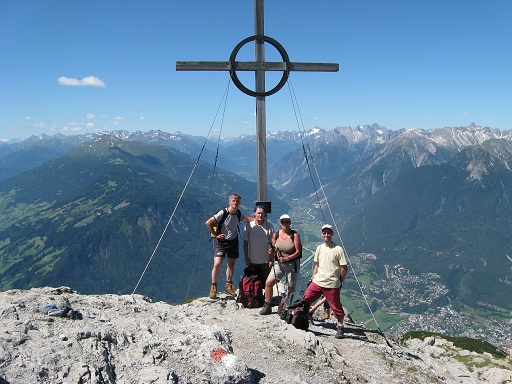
(81, 66)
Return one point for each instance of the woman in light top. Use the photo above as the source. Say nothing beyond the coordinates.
(287, 247)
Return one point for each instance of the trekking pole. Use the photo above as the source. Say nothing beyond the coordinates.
(274, 266)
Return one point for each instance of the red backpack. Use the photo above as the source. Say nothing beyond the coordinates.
(250, 290)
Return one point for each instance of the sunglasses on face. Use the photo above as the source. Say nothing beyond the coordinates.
(285, 221)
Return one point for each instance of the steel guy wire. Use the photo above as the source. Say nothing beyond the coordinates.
(181, 196)
(294, 102)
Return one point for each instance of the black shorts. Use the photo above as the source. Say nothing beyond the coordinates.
(227, 248)
(263, 271)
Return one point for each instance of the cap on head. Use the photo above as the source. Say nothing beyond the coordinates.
(327, 226)
(285, 216)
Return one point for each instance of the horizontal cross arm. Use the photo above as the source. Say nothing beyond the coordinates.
(203, 66)
(254, 66)
(315, 67)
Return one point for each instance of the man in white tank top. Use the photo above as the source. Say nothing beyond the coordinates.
(257, 236)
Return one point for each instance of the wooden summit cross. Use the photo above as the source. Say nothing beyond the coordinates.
(259, 66)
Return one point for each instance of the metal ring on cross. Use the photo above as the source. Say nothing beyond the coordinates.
(281, 51)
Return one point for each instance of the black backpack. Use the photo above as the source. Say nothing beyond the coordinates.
(276, 235)
(225, 214)
(294, 310)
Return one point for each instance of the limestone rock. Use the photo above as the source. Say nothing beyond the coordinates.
(129, 339)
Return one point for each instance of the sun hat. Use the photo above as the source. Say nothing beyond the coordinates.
(285, 216)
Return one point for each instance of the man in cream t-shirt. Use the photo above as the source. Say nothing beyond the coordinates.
(328, 275)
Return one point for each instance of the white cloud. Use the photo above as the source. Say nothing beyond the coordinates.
(28, 118)
(72, 126)
(89, 81)
(118, 120)
(90, 116)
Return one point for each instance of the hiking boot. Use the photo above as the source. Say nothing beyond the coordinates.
(340, 332)
(213, 291)
(327, 314)
(267, 309)
(229, 289)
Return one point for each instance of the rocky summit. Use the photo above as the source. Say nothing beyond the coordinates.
(54, 335)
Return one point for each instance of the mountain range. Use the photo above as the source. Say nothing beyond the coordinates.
(454, 219)
(93, 217)
(76, 208)
(430, 201)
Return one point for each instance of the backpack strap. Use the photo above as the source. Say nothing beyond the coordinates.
(276, 234)
(292, 236)
(225, 214)
(239, 216)
(300, 250)
(222, 218)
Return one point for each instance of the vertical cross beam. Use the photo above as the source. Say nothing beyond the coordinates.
(261, 111)
(259, 66)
